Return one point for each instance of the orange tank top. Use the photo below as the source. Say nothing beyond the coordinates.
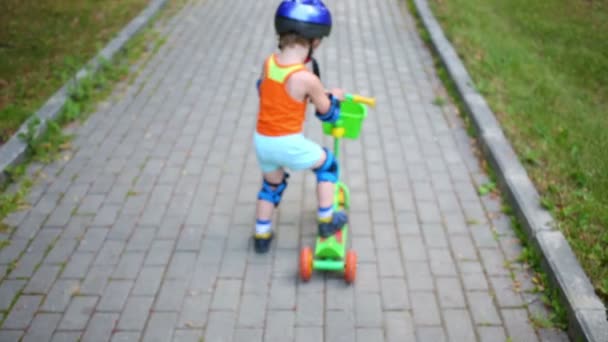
(279, 113)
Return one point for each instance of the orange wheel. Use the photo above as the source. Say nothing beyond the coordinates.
(350, 267)
(306, 263)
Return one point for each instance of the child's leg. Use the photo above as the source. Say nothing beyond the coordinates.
(269, 197)
(327, 176)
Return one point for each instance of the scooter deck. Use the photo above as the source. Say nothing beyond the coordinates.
(330, 251)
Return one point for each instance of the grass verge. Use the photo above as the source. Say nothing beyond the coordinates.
(557, 314)
(542, 66)
(82, 100)
(43, 42)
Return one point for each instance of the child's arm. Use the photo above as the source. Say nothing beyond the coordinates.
(328, 107)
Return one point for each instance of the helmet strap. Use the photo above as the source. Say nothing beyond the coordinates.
(309, 57)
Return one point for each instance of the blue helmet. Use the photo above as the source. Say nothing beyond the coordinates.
(307, 18)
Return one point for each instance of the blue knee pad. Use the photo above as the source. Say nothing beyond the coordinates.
(267, 193)
(328, 172)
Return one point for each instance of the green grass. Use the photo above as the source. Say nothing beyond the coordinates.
(543, 68)
(83, 97)
(42, 43)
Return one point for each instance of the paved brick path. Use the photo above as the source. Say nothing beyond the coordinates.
(143, 232)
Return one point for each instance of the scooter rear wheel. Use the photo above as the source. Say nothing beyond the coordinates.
(350, 266)
(306, 263)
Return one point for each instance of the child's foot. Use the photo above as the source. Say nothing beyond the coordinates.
(261, 242)
(333, 224)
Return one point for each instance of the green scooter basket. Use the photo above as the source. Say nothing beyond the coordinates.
(351, 119)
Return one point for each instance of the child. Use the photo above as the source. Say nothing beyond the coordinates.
(284, 88)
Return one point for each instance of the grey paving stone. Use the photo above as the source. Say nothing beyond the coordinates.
(181, 265)
(366, 251)
(280, 326)
(418, 275)
(368, 310)
(61, 251)
(129, 265)
(171, 295)
(194, 311)
(458, 325)
(66, 336)
(78, 265)
(441, 262)
(367, 278)
(399, 326)
(394, 294)
(27, 264)
(141, 239)
(107, 215)
(126, 336)
(226, 295)
(135, 313)
(149, 280)
(22, 312)
(370, 334)
(248, 335)
(181, 335)
(517, 325)
(90, 204)
(160, 252)
(30, 226)
(8, 291)
(474, 281)
(282, 293)
(413, 248)
(505, 292)
(407, 222)
(449, 292)
(59, 296)
(463, 248)
(78, 313)
(309, 308)
(42, 327)
(339, 326)
(100, 327)
(93, 239)
(11, 335)
(110, 252)
(115, 295)
(160, 327)
(483, 236)
(389, 261)
(425, 309)
(434, 235)
(190, 238)
(491, 334)
(13, 250)
(552, 335)
(95, 281)
(220, 326)
(430, 334)
(482, 308)
(234, 263)
(303, 334)
(43, 279)
(257, 278)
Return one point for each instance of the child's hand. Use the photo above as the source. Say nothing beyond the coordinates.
(338, 93)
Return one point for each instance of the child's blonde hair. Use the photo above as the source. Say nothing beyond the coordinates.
(290, 39)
